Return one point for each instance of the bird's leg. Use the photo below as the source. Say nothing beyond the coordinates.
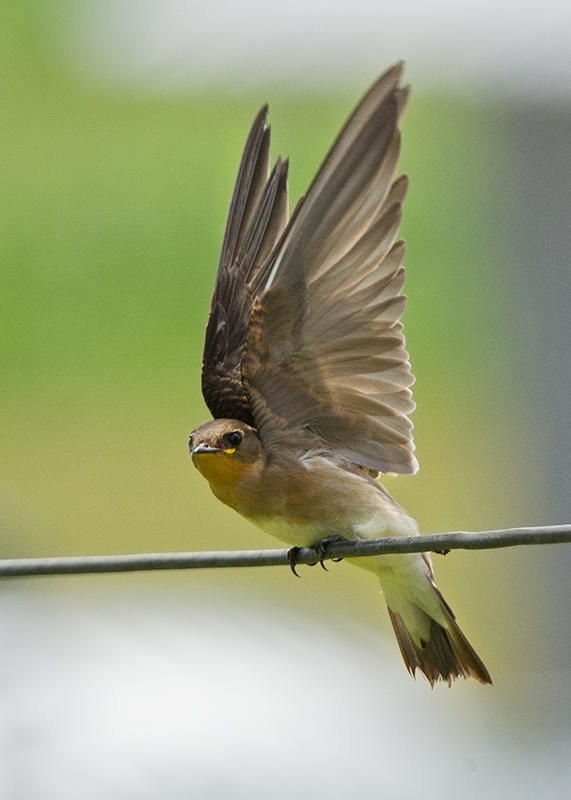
(322, 546)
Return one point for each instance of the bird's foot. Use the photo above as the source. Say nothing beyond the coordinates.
(442, 552)
(320, 549)
(322, 546)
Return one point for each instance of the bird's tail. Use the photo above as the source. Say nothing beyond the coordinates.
(429, 637)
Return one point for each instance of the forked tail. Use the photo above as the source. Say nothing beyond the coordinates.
(432, 642)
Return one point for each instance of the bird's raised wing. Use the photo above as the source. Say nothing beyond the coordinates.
(258, 215)
(325, 366)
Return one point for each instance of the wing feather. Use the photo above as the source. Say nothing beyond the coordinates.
(250, 182)
(258, 215)
(325, 364)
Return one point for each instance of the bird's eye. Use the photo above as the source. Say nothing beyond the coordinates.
(235, 438)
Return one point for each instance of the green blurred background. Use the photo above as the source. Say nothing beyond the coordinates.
(114, 204)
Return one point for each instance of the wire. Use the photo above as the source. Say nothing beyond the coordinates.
(142, 562)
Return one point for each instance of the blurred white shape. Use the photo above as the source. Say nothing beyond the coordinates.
(153, 694)
(503, 46)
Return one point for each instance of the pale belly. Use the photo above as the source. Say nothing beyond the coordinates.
(381, 522)
(297, 534)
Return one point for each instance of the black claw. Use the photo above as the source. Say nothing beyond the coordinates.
(322, 546)
(320, 550)
(292, 555)
(442, 552)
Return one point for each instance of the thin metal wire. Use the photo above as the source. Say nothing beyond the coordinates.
(142, 562)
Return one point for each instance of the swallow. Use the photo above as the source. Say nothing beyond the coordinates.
(305, 370)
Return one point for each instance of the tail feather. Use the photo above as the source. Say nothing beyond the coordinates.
(445, 654)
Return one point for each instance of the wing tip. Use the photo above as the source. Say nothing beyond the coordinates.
(262, 113)
(394, 72)
(259, 129)
(389, 81)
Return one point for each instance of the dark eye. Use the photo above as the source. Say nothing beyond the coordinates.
(235, 438)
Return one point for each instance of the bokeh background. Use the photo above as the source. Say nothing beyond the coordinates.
(121, 129)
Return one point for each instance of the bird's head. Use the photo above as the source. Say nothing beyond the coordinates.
(225, 451)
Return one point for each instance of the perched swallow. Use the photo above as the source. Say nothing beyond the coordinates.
(305, 369)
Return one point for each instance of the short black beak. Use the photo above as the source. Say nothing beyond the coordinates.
(205, 448)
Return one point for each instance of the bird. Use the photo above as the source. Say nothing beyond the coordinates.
(305, 370)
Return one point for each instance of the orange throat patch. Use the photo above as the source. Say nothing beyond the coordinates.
(221, 470)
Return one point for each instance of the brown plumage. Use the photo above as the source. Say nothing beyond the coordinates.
(305, 368)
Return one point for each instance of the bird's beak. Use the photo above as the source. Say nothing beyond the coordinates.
(205, 448)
